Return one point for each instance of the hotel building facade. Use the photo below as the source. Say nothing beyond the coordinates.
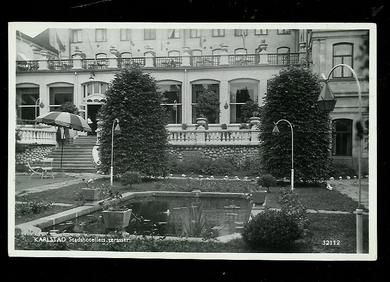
(77, 65)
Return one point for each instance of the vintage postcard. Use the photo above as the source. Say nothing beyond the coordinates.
(228, 141)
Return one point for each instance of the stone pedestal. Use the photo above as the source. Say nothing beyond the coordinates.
(77, 61)
(149, 59)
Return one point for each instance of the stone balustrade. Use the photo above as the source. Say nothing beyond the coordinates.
(37, 135)
(214, 137)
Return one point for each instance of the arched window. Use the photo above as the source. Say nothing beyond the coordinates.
(101, 60)
(60, 93)
(283, 56)
(94, 88)
(27, 103)
(173, 53)
(209, 87)
(342, 54)
(172, 99)
(242, 91)
(342, 137)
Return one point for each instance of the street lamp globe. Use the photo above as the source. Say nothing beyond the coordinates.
(326, 101)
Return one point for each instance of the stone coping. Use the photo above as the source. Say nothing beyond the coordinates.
(35, 227)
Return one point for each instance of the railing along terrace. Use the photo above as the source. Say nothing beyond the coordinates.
(200, 61)
(245, 59)
(127, 62)
(37, 135)
(213, 137)
(163, 62)
(27, 66)
(95, 64)
(60, 64)
(168, 62)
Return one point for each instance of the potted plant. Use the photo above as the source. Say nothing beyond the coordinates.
(224, 126)
(184, 126)
(116, 218)
(202, 120)
(92, 192)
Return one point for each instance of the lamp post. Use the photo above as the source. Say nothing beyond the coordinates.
(276, 131)
(327, 102)
(117, 129)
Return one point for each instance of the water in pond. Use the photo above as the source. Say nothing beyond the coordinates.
(171, 216)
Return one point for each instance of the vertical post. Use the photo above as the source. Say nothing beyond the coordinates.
(292, 157)
(112, 154)
(359, 231)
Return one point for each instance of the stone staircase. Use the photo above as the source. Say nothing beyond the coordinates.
(77, 156)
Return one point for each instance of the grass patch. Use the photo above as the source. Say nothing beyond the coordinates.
(316, 198)
(339, 227)
(67, 195)
(23, 182)
(29, 217)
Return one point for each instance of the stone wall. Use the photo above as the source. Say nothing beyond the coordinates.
(33, 153)
(237, 152)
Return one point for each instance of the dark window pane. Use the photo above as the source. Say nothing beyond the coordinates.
(342, 140)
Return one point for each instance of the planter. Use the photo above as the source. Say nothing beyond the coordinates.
(90, 194)
(254, 121)
(201, 121)
(258, 198)
(116, 219)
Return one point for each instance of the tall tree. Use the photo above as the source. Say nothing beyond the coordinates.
(141, 144)
(293, 95)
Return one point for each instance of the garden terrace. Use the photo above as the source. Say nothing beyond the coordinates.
(89, 64)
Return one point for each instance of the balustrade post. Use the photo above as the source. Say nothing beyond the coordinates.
(149, 59)
(77, 61)
(200, 135)
(186, 58)
(112, 58)
(224, 57)
(42, 56)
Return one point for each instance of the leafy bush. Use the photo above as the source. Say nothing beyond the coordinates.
(267, 181)
(69, 107)
(271, 230)
(31, 207)
(292, 206)
(250, 109)
(21, 168)
(293, 95)
(131, 177)
(207, 105)
(142, 143)
(220, 166)
(340, 169)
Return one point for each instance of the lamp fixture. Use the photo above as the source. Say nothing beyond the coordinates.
(226, 106)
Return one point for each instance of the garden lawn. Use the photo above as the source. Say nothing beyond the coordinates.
(23, 182)
(339, 227)
(315, 198)
(29, 217)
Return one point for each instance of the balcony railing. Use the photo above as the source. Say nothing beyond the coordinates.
(200, 61)
(60, 64)
(168, 62)
(213, 137)
(127, 62)
(27, 66)
(162, 62)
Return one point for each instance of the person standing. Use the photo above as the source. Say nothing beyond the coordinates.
(90, 123)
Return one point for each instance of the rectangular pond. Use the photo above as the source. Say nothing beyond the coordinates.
(189, 216)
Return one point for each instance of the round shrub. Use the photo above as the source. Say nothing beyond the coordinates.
(271, 230)
(267, 181)
(220, 166)
(131, 177)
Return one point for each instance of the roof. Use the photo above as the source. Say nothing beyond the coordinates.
(42, 40)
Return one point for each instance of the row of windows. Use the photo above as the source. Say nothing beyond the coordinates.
(150, 34)
(241, 91)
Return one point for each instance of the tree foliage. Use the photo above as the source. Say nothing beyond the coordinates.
(293, 95)
(141, 143)
(208, 106)
(69, 107)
